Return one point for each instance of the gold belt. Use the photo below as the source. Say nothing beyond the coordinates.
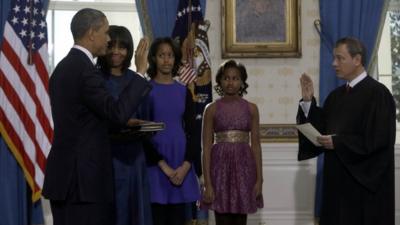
(233, 136)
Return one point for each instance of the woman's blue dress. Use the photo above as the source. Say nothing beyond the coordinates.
(132, 197)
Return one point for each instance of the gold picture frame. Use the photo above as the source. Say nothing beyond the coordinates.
(278, 133)
(261, 28)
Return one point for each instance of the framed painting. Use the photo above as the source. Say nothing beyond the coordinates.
(261, 28)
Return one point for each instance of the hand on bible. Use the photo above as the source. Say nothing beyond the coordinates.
(307, 88)
(326, 141)
(134, 122)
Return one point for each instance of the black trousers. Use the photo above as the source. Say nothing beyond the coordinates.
(168, 214)
(73, 211)
(230, 219)
(81, 213)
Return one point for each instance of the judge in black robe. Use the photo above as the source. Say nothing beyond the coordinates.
(358, 127)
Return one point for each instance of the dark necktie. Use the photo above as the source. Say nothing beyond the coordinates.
(348, 88)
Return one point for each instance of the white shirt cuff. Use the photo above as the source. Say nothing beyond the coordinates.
(305, 106)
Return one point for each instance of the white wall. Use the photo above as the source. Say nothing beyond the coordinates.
(273, 82)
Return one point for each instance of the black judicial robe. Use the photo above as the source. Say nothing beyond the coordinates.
(358, 176)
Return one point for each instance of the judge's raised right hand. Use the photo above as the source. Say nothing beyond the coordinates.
(307, 88)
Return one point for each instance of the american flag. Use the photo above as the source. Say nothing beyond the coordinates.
(186, 74)
(25, 114)
(188, 11)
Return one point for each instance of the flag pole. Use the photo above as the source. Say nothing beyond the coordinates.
(190, 37)
(189, 16)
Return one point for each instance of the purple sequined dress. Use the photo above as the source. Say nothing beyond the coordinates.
(233, 167)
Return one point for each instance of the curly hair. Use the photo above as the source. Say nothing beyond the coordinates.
(243, 76)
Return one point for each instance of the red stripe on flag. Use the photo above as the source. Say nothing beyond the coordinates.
(24, 117)
(27, 163)
(44, 76)
(24, 87)
(41, 69)
(29, 85)
(186, 74)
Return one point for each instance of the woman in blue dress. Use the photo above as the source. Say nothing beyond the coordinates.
(173, 181)
(132, 198)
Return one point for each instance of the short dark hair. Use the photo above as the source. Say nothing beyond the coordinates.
(222, 68)
(122, 36)
(85, 19)
(354, 47)
(152, 70)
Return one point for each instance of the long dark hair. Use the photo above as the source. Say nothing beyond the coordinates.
(152, 70)
(122, 36)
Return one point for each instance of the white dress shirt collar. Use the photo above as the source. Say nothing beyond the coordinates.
(87, 52)
(358, 79)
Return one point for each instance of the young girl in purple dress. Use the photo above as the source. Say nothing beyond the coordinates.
(173, 181)
(231, 149)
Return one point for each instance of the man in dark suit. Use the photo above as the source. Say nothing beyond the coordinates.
(78, 178)
(358, 123)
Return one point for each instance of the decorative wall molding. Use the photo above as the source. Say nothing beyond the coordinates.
(281, 133)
